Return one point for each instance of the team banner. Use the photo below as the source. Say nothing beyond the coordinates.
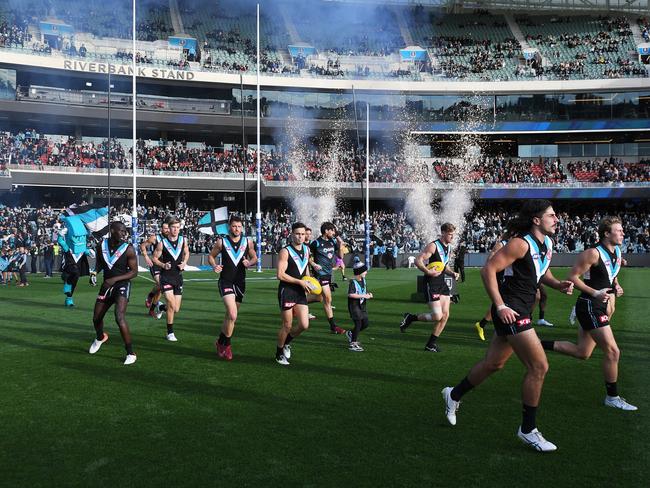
(214, 222)
(94, 219)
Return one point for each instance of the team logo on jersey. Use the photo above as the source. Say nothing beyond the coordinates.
(111, 259)
(443, 251)
(541, 261)
(522, 322)
(174, 251)
(612, 267)
(301, 263)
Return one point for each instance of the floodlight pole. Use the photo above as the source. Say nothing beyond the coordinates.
(134, 210)
(367, 223)
(259, 176)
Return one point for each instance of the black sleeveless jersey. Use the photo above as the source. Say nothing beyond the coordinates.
(298, 260)
(232, 257)
(113, 262)
(172, 252)
(357, 305)
(441, 254)
(159, 239)
(602, 274)
(521, 279)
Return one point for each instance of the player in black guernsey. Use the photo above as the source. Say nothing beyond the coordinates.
(236, 253)
(599, 267)
(323, 252)
(293, 265)
(149, 245)
(171, 256)
(357, 298)
(525, 260)
(436, 289)
(117, 259)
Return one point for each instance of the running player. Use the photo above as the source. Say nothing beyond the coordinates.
(321, 259)
(116, 257)
(293, 261)
(357, 298)
(151, 302)
(340, 263)
(171, 255)
(526, 260)
(311, 298)
(487, 318)
(437, 291)
(237, 253)
(599, 267)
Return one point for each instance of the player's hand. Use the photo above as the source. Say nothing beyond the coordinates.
(93, 279)
(247, 263)
(566, 287)
(623, 262)
(601, 295)
(369, 296)
(148, 260)
(618, 289)
(217, 268)
(456, 276)
(317, 267)
(433, 273)
(168, 265)
(181, 266)
(305, 286)
(506, 314)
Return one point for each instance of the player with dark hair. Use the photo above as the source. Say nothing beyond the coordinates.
(236, 253)
(117, 259)
(436, 289)
(171, 255)
(293, 265)
(525, 261)
(321, 259)
(151, 302)
(599, 267)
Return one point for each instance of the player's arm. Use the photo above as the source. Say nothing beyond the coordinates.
(186, 255)
(156, 257)
(497, 245)
(212, 257)
(424, 256)
(312, 252)
(143, 249)
(449, 271)
(252, 253)
(132, 263)
(515, 249)
(586, 259)
(98, 263)
(339, 247)
(618, 288)
(564, 286)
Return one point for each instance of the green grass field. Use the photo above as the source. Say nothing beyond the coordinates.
(180, 417)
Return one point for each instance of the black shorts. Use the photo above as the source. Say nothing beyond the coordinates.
(171, 284)
(524, 321)
(591, 314)
(433, 290)
(325, 279)
(121, 289)
(290, 296)
(154, 270)
(230, 288)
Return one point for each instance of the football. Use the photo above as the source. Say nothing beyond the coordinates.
(314, 285)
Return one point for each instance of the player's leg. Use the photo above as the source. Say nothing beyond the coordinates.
(582, 349)
(604, 337)
(329, 313)
(481, 324)
(101, 307)
(543, 298)
(442, 315)
(284, 337)
(171, 308)
(121, 303)
(228, 326)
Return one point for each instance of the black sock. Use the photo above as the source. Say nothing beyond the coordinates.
(528, 419)
(612, 389)
(150, 295)
(460, 389)
(288, 340)
(170, 329)
(332, 323)
(222, 339)
(99, 334)
(163, 308)
(548, 345)
(432, 340)
(541, 314)
(68, 294)
(278, 352)
(129, 348)
(483, 323)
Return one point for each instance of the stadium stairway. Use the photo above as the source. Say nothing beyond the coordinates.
(403, 26)
(521, 39)
(288, 24)
(636, 31)
(177, 21)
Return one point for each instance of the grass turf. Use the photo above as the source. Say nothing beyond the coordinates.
(181, 417)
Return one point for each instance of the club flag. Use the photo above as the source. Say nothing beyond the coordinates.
(95, 219)
(4, 263)
(214, 222)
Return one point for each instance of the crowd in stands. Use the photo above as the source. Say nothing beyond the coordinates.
(610, 170)
(29, 148)
(14, 34)
(28, 227)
